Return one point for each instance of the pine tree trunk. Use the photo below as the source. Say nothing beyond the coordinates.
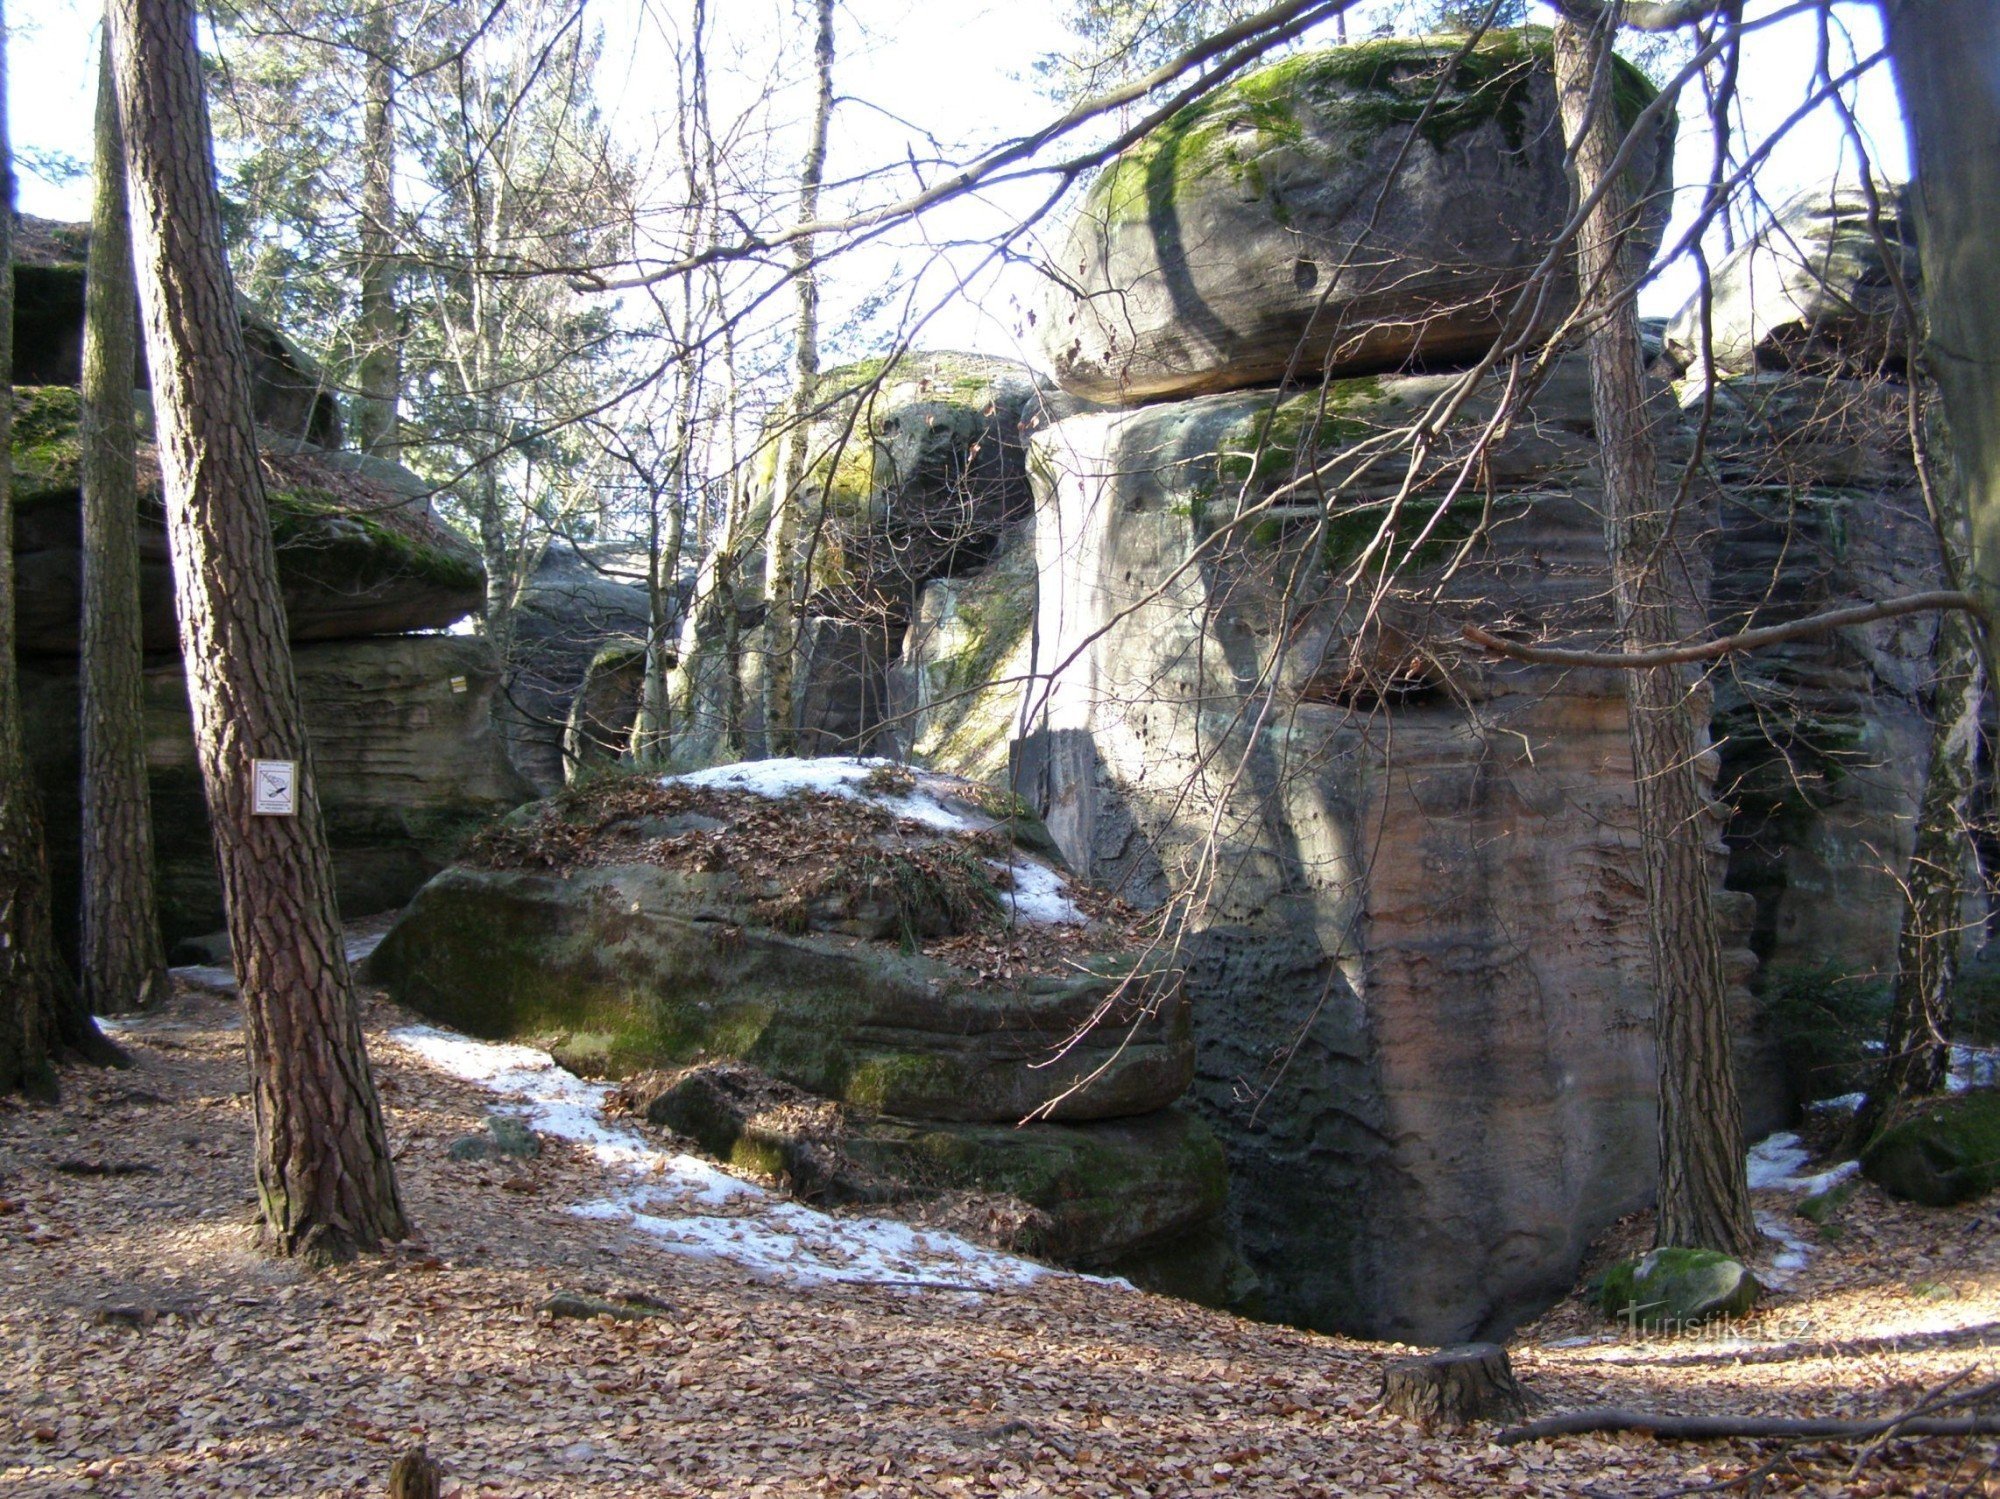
(41, 1016)
(1704, 1200)
(380, 372)
(324, 1179)
(782, 587)
(124, 961)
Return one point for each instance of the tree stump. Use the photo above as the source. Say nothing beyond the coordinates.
(415, 1476)
(1453, 1386)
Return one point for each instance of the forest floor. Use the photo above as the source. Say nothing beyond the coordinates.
(147, 1348)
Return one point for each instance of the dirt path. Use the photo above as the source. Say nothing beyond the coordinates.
(146, 1349)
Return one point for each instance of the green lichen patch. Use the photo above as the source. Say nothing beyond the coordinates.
(46, 446)
(1337, 102)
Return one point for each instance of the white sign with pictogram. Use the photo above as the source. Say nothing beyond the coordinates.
(274, 788)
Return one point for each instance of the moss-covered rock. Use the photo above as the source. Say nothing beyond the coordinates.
(1940, 1152)
(634, 966)
(913, 466)
(1346, 210)
(359, 552)
(1676, 1288)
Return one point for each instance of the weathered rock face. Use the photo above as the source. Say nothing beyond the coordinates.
(1824, 741)
(919, 466)
(403, 748)
(955, 691)
(289, 395)
(358, 552)
(1814, 291)
(580, 601)
(711, 924)
(1415, 939)
(1252, 238)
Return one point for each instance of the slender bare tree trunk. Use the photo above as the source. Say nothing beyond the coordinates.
(324, 1178)
(782, 587)
(41, 1016)
(1918, 1058)
(124, 961)
(380, 374)
(1704, 1200)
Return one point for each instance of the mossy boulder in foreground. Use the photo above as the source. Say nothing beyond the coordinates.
(1940, 1152)
(1350, 209)
(1672, 1288)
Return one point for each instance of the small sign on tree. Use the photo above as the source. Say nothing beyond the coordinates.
(274, 788)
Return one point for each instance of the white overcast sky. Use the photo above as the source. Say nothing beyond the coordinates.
(962, 69)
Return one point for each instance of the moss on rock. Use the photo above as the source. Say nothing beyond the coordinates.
(1677, 1288)
(1941, 1151)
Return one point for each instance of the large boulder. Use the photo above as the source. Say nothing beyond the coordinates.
(690, 919)
(1413, 912)
(1816, 289)
(289, 394)
(867, 980)
(1094, 1194)
(403, 745)
(1358, 208)
(1940, 1151)
(358, 550)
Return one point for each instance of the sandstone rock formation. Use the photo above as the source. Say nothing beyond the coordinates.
(1407, 878)
(289, 394)
(358, 551)
(646, 924)
(1358, 208)
(1817, 289)
(403, 745)
(1824, 742)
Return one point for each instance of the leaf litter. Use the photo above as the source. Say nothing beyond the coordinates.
(149, 1349)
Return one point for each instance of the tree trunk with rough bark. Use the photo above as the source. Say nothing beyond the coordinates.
(124, 960)
(41, 1016)
(380, 372)
(782, 585)
(1942, 54)
(1704, 1200)
(324, 1179)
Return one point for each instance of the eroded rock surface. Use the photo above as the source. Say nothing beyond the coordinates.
(1818, 290)
(1357, 208)
(407, 761)
(358, 550)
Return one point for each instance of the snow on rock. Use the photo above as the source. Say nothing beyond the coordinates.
(836, 776)
(673, 1198)
(1774, 1165)
(1973, 1067)
(1037, 896)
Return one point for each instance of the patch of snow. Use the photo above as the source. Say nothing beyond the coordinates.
(1775, 1159)
(359, 948)
(836, 776)
(1037, 896)
(673, 1198)
(1792, 1251)
(1973, 1067)
(1846, 1103)
(1774, 1166)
